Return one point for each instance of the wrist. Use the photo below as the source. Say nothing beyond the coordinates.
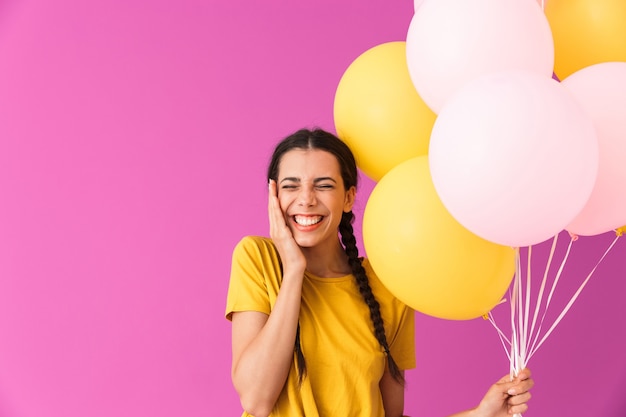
(475, 412)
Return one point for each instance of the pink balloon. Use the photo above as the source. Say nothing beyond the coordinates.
(451, 42)
(601, 90)
(513, 157)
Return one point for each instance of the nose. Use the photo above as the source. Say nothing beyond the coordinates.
(306, 197)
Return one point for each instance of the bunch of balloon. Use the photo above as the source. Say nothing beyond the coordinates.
(586, 32)
(515, 156)
(512, 159)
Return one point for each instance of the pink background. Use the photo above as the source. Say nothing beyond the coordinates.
(134, 137)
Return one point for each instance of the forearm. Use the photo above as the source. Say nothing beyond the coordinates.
(263, 366)
(467, 413)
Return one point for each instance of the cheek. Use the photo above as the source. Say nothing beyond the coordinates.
(284, 202)
(338, 206)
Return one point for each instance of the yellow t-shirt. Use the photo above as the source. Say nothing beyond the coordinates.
(344, 360)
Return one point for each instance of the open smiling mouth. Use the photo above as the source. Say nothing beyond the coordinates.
(307, 220)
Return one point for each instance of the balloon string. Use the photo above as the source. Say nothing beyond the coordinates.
(503, 339)
(552, 289)
(513, 298)
(518, 352)
(523, 341)
(574, 297)
(543, 284)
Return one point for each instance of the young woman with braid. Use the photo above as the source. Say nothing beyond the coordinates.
(314, 332)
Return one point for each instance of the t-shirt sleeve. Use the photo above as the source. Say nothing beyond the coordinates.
(402, 346)
(253, 261)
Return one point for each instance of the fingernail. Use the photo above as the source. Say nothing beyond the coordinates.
(511, 391)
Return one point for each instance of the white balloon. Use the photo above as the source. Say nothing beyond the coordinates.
(513, 157)
(601, 91)
(450, 42)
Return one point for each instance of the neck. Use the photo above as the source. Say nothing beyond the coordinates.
(327, 262)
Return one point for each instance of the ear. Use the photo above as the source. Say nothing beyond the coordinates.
(350, 197)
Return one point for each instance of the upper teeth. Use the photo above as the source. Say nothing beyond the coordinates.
(307, 220)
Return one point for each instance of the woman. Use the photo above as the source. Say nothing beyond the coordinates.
(314, 332)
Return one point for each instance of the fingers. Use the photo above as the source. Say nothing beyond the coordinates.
(515, 400)
(524, 374)
(288, 249)
(277, 221)
(272, 199)
(518, 404)
(508, 394)
(518, 391)
(518, 410)
(279, 231)
(521, 383)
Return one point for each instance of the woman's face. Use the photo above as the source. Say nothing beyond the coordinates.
(312, 195)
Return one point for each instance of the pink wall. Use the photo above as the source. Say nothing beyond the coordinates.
(133, 142)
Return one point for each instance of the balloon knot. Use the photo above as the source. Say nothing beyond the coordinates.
(620, 231)
(573, 236)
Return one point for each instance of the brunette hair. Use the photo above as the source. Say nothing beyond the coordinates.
(323, 140)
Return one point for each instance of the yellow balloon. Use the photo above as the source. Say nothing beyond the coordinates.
(378, 112)
(424, 256)
(586, 32)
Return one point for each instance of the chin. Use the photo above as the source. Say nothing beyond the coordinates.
(305, 240)
(306, 243)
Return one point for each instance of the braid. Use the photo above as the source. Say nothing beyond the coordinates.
(349, 242)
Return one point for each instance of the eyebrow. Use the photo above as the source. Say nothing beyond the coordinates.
(316, 180)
